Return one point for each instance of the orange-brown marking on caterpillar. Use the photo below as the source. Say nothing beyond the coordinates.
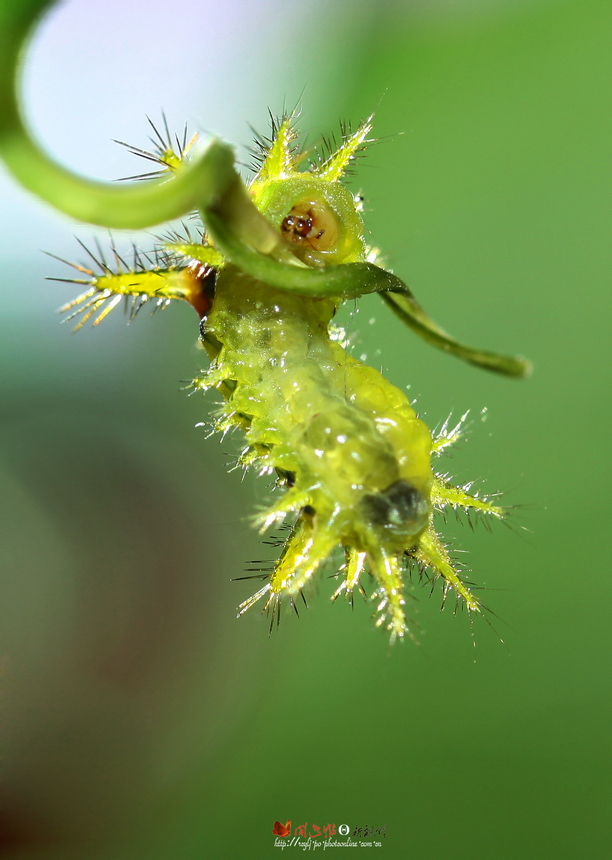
(200, 289)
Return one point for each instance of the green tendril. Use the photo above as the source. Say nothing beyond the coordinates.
(199, 183)
(345, 281)
(405, 306)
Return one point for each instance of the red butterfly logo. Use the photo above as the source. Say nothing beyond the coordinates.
(282, 829)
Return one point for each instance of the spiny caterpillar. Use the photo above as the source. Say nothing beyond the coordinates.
(267, 271)
(348, 449)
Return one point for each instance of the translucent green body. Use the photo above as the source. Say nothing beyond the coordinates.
(335, 422)
(337, 432)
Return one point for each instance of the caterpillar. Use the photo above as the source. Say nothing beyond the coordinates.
(267, 269)
(351, 456)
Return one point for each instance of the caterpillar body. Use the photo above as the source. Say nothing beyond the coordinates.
(352, 458)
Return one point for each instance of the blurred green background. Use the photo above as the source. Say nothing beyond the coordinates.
(141, 719)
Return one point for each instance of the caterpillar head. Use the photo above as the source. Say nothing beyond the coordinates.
(318, 217)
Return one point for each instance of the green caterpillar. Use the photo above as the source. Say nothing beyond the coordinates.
(267, 273)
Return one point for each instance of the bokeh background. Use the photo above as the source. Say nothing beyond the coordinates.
(140, 718)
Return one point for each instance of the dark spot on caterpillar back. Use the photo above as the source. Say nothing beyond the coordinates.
(286, 477)
(401, 507)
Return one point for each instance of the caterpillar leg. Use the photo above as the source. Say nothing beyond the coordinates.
(389, 596)
(304, 551)
(353, 567)
(432, 552)
(444, 494)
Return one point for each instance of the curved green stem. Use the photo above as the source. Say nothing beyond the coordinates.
(348, 280)
(351, 280)
(201, 182)
(405, 306)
